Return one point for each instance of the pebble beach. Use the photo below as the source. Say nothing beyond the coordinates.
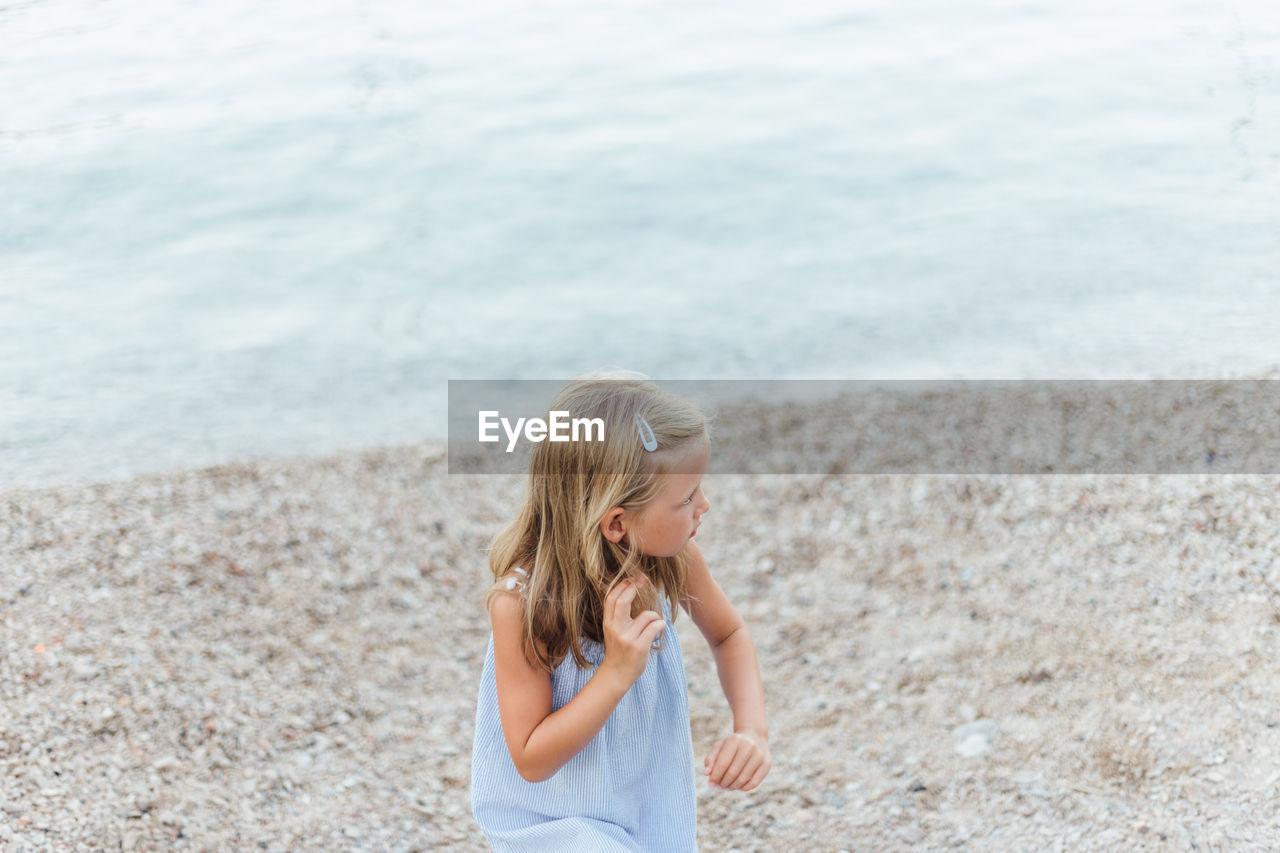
(284, 655)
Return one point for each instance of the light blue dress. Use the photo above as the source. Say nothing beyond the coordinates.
(630, 788)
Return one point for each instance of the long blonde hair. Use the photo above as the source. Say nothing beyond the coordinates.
(573, 485)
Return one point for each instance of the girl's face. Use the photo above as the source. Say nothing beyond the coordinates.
(664, 526)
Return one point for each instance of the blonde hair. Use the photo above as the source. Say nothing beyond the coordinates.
(572, 486)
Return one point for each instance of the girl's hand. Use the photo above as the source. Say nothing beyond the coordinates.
(739, 762)
(627, 641)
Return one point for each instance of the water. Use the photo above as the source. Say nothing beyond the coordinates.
(238, 229)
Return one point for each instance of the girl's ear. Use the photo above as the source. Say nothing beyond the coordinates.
(614, 525)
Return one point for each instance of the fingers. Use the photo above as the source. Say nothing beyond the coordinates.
(642, 620)
(736, 764)
(726, 751)
(734, 775)
(618, 600)
(711, 757)
(652, 627)
(757, 777)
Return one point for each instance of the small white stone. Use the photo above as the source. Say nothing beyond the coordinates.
(973, 746)
(911, 834)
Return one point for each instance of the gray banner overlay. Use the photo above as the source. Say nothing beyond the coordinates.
(918, 427)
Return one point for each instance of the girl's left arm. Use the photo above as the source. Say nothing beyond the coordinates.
(741, 760)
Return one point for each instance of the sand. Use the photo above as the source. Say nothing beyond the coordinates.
(284, 654)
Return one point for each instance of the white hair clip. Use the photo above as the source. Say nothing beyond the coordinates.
(647, 438)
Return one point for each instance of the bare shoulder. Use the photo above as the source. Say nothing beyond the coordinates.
(699, 575)
(505, 606)
(507, 615)
(706, 603)
(508, 588)
(693, 555)
(506, 598)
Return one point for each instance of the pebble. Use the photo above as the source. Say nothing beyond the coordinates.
(910, 834)
(975, 738)
(305, 577)
(973, 746)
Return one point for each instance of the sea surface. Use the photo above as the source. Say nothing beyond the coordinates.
(242, 229)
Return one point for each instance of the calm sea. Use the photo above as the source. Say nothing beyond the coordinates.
(240, 228)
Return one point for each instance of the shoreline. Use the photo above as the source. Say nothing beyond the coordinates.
(889, 415)
(286, 652)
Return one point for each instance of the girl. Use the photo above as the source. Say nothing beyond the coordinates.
(582, 725)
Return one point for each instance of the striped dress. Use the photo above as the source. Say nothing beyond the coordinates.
(630, 788)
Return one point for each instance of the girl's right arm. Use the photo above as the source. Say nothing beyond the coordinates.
(539, 741)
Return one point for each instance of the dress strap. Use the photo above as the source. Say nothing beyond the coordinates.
(514, 583)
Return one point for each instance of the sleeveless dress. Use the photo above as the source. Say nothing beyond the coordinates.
(630, 789)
